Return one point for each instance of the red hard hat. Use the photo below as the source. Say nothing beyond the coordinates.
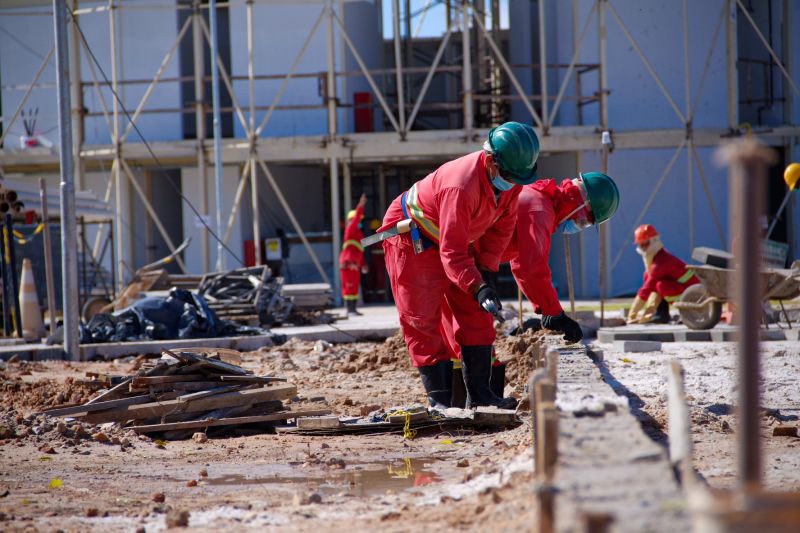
(644, 233)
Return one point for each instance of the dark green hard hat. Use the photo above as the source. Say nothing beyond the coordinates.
(603, 195)
(515, 148)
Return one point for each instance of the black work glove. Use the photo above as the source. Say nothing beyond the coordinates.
(488, 300)
(571, 329)
(489, 277)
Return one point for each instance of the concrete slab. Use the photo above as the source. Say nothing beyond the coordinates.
(637, 346)
(680, 333)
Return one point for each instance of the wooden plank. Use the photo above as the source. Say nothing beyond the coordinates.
(112, 393)
(252, 379)
(102, 406)
(144, 381)
(318, 422)
(235, 421)
(206, 393)
(159, 409)
(182, 387)
(216, 364)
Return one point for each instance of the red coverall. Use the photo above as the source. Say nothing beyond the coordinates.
(351, 259)
(668, 276)
(454, 206)
(541, 206)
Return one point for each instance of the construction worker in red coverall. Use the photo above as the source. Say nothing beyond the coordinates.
(545, 208)
(665, 278)
(351, 258)
(470, 199)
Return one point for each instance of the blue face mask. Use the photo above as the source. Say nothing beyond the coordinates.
(502, 185)
(569, 227)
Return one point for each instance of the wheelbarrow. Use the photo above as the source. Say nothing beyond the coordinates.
(700, 306)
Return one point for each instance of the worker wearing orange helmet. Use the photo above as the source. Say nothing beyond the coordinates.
(351, 259)
(665, 278)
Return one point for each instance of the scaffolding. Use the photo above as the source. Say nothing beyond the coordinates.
(483, 63)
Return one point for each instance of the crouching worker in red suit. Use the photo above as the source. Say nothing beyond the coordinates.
(665, 278)
(351, 259)
(544, 209)
(470, 199)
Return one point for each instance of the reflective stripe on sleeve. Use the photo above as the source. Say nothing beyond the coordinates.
(687, 276)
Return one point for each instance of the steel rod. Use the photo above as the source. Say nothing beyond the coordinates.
(732, 55)
(251, 90)
(466, 70)
(570, 279)
(69, 240)
(76, 97)
(217, 127)
(398, 65)
(333, 128)
(200, 130)
(543, 65)
(48, 257)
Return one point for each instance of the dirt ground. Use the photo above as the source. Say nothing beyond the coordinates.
(58, 477)
(711, 388)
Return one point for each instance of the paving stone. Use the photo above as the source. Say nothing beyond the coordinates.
(637, 346)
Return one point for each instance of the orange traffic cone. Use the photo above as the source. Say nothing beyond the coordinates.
(32, 325)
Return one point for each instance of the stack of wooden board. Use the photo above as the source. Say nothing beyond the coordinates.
(190, 390)
(247, 295)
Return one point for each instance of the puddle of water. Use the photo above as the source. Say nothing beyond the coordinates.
(370, 479)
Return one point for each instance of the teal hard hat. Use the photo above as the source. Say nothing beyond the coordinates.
(603, 195)
(515, 148)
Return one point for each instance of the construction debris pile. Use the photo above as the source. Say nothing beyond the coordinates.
(246, 295)
(180, 315)
(188, 391)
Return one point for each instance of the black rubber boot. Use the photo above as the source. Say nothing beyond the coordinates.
(438, 382)
(459, 391)
(661, 316)
(476, 366)
(351, 307)
(498, 381)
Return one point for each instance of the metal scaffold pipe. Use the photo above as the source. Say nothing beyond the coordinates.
(212, 18)
(69, 239)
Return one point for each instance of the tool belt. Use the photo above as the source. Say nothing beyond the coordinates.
(419, 240)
